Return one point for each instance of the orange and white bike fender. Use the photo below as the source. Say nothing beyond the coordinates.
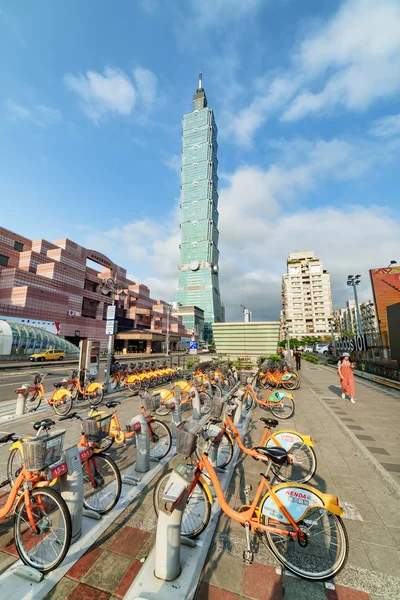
(206, 489)
(165, 394)
(298, 499)
(184, 385)
(286, 438)
(93, 387)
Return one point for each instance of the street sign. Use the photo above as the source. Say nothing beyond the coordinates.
(111, 312)
(193, 347)
(77, 333)
(110, 325)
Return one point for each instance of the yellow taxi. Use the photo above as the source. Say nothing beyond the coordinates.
(51, 354)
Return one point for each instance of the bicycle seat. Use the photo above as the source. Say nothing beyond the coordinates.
(111, 404)
(215, 420)
(70, 416)
(92, 378)
(45, 423)
(269, 422)
(275, 454)
(58, 385)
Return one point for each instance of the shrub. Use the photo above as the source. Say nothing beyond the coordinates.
(260, 360)
(310, 357)
(275, 357)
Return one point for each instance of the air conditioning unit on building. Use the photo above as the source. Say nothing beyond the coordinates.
(74, 313)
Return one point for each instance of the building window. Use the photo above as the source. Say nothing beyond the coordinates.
(18, 246)
(3, 260)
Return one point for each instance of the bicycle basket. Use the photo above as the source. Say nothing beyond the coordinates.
(244, 376)
(151, 402)
(186, 441)
(217, 407)
(43, 451)
(96, 428)
(198, 379)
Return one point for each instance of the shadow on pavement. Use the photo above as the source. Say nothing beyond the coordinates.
(335, 389)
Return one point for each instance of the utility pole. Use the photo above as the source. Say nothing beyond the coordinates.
(354, 281)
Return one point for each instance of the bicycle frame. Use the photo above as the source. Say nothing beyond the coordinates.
(85, 392)
(266, 403)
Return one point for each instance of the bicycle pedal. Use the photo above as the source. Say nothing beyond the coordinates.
(248, 557)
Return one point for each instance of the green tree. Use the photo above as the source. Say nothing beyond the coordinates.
(293, 342)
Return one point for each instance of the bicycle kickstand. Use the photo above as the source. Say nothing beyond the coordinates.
(248, 555)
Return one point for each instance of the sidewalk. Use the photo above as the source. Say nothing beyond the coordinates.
(346, 466)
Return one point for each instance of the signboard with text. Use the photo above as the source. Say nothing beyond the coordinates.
(193, 347)
(111, 312)
(110, 326)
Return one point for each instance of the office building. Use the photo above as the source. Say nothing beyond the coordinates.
(198, 283)
(306, 296)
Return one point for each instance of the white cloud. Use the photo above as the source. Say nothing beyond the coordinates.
(386, 127)
(39, 115)
(173, 163)
(101, 94)
(350, 61)
(146, 83)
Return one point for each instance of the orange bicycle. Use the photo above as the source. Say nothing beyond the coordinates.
(60, 400)
(91, 390)
(42, 524)
(299, 524)
(159, 433)
(280, 403)
(184, 394)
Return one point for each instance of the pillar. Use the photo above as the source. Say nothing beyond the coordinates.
(148, 347)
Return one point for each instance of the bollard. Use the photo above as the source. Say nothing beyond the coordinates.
(196, 404)
(21, 399)
(176, 415)
(142, 464)
(238, 399)
(168, 537)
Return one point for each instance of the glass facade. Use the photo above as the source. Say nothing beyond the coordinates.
(29, 340)
(198, 283)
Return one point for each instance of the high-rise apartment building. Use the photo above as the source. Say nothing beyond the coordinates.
(198, 284)
(306, 296)
(349, 320)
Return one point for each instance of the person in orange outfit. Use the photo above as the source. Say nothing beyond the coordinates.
(345, 372)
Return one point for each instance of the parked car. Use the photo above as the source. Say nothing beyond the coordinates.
(324, 349)
(309, 349)
(51, 354)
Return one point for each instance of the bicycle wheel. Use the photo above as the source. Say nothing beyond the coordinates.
(114, 383)
(47, 548)
(325, 553)
(196, 515)
(97, 396)
(160, 439)
(101, 483)
(205, 403)
(302, 467)
(285, 410)
(225, 448)
(134, 386)
(14, 465)
(106, 443)
(248, 402)
(163, 410)
(263, 385)
(289, 384)
(74, 393)
(217, 391)
(145, 383)
(33, 401)
(62, 405)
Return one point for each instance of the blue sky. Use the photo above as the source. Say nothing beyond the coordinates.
(306, 98)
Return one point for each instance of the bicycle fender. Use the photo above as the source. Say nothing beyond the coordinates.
(93, 387)
(184, 385)
(286, 438)
(207, 489)
(298, 499)
(18, 445)
(165, 394)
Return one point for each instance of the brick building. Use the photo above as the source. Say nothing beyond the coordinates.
(56, 282)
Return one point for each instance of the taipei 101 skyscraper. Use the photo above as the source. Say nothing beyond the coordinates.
(198, 283)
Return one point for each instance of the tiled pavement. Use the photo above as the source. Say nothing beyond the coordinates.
(344, 468)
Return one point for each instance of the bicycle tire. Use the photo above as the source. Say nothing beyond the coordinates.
(163, 410)
(263, 385)
(303, 467)
(74, 393)
(145, 383)
(24, 542)
(135, 386)
(97, 396)
(225, 450)
(114, 383)
(106, 443)
(205, 403)
(106, 475)
(284, 412)
(248, 402)
(302, 556)
(217, 391)
(197, 504)
(159, 450)
(14, 465)
(64, 407)
(33, 401)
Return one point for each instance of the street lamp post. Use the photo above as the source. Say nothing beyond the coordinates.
(169, 309)
(354, 281)
(331, 322)
(111, 287)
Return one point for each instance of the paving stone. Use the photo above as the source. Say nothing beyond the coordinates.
(128, 579)
(383, 560)
(224, 571)
(262, 583)
(6, 560)
(343, 593)
(367, 438)
(209, 592)
(82, 566)
(391, 467)
(355, 427)
(295, 588)
(128, 541)
(62, 590)
(85, 592)
(107, 573)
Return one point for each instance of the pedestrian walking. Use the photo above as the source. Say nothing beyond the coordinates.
(345, 372)
(297, 357)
